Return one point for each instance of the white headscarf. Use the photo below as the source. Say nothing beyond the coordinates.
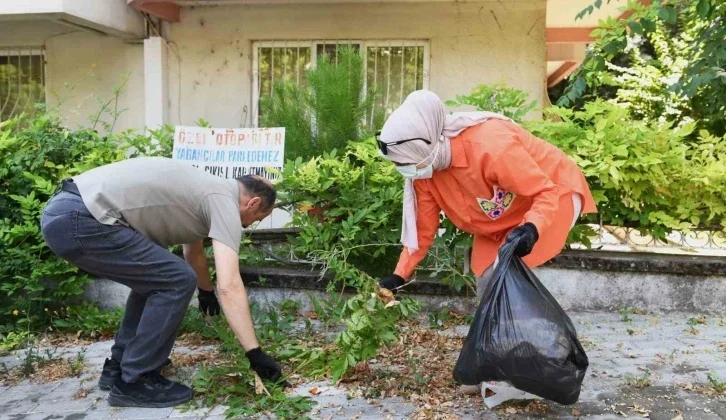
(422, 115)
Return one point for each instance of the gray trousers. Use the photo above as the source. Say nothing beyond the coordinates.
(161, 283)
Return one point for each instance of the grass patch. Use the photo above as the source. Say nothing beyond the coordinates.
(639, 382)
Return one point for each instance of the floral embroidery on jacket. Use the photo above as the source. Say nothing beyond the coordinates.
(497, 205)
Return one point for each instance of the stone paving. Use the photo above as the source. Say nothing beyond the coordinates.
(662, 349)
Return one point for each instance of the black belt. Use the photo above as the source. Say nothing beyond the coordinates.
(69, 186)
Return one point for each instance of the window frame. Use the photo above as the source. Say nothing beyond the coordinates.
(24, 51)
(313, 45)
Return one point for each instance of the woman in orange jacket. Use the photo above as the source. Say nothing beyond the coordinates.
(491, 178)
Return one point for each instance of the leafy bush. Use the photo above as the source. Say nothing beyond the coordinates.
(497, 98)
(326, 111)
(643, 174)
(14, 341)
(354, 234)
(286, 107)
(86, 320)
(360, 196)
(687, 40)
(35, 154)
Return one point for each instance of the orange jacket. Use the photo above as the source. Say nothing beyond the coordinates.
(501, 176)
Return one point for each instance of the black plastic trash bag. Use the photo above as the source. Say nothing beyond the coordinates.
(522, 336)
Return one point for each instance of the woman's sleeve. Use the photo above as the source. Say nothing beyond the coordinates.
(427, 224)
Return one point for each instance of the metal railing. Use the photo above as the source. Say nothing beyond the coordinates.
(22, 81)
(695, 242)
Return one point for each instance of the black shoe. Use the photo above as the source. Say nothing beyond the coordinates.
(112, 371)
(151, 390)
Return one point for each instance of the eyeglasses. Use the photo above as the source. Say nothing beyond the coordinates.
(384, 146)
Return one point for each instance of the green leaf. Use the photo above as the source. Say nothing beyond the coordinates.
(703, 8)
(600, 126)
(635, 27)
(598, 3)
(648, 25)
(664, 14)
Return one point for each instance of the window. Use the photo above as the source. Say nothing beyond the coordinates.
(393, 68)
(22, 81)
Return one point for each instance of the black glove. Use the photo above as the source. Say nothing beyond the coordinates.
(392, 282)
(527, 235)
(208, 303)
(265, 366)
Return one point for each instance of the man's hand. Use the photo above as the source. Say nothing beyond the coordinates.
(527, 236)
(233, 296)
(392, 283)
(265, 366)
(208, 303)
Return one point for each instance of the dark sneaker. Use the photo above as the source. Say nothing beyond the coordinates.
(112, 371)
(151, 390)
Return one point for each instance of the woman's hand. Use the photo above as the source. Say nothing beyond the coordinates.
(527, 236)
(392, 282)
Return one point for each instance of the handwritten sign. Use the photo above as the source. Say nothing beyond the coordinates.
(231, 153)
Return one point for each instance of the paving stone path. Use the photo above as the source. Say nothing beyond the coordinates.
(660, 348)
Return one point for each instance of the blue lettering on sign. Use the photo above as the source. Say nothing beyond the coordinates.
(252, 156)
(202, 155)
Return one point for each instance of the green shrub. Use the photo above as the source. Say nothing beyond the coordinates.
(642, 174)
(35, 154)
(326, 111)
(355, 235)
(360, 197)
(497, 98)
(286, 107)
(86, 320)
(14, 341)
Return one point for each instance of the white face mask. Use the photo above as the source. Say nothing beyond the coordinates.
(412, 172)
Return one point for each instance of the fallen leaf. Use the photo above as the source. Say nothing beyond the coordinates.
(678, 417)
(511, 410)
(315, 390)
(392, 303)
(385, 295)
(260, 388)
(576, 412)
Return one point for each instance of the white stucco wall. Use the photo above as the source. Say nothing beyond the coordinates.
(210, 53)
(83, 69)
(468, 46)
(29, 33)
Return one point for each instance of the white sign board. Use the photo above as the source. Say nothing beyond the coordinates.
(231, 153)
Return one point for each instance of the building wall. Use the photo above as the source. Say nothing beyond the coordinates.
(210, 53)
(210, 61)
(83, 71)
(29, 33)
